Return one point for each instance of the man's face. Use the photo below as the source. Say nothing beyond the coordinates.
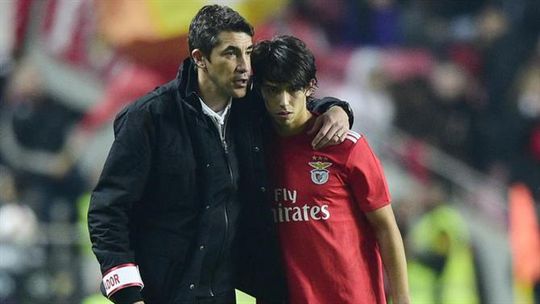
(287, 107)
(229, 67)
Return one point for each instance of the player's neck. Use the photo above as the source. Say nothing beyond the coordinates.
(295, 127)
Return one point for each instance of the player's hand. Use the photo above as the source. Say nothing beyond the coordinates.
(139, 302)
(332, 127)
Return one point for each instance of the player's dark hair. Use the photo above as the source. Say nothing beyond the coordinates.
(284, 60)
(209, 22)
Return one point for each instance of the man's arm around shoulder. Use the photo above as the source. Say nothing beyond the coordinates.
(332, 125)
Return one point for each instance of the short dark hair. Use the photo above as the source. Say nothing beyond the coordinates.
(209, 22)
(284, 60)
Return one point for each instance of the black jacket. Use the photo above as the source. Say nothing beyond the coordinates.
(174, 199)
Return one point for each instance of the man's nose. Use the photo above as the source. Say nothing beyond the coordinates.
(244, 64)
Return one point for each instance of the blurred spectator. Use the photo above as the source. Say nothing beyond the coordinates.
(413, 100)
(365, 86)
(338, 20)
(18, 236)
(459, 127)
(526, 106)
(379, 22)
(503, 48)
(453, 122)
(441, 267)
(34, 127)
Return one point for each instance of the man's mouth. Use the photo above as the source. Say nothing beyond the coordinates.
(241, 82)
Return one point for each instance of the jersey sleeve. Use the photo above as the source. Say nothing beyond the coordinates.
(366, 177)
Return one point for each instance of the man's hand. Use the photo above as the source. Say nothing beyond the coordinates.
(332, 127)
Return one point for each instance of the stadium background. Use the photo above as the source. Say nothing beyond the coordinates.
(447, 92)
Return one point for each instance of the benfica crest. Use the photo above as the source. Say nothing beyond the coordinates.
(319, 175)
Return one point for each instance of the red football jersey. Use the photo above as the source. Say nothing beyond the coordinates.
(319, 199)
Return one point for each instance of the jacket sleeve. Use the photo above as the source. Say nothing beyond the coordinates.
(322, 105)
(120, 186)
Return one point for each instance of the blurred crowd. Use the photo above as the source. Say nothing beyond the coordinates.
(461, 78)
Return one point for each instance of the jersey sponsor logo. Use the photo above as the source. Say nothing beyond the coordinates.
(303, 213)
(286, 210)
(319, 174)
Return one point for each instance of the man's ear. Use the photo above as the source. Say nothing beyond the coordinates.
(198, 58)
(311, 88)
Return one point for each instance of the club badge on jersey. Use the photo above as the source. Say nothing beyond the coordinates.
(319, 174)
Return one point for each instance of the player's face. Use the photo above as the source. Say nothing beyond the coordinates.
(229, 67)
(287, 107)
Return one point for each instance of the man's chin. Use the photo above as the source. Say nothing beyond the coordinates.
(239, 93)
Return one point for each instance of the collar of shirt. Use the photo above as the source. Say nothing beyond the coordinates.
(218, 117)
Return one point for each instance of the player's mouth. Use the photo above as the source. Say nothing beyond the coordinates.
(283, 114)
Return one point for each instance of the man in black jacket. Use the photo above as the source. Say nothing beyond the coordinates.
(180, 205)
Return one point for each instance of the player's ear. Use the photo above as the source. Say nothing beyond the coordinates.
(311, 88)
(198, 58)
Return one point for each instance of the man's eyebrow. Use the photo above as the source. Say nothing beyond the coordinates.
(235, 48)
(230, 48)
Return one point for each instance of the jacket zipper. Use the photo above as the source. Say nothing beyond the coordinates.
(222, 136)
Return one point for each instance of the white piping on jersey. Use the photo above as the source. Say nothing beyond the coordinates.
(354, 140)
(353, 136)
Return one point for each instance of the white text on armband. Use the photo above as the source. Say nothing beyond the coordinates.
(121, 276)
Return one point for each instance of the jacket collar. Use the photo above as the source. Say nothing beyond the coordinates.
(188, 85)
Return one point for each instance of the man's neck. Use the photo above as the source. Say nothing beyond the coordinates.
(210, 94)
